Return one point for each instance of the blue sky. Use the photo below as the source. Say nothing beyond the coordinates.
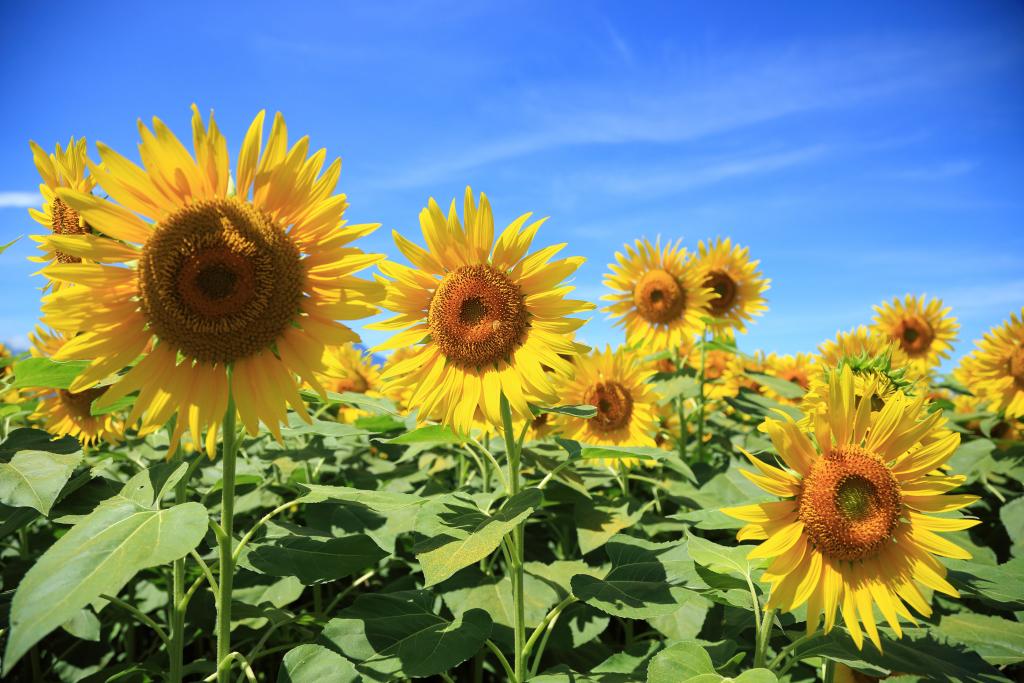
(861, 152)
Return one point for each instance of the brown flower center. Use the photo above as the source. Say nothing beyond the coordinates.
(477, 316)
(66, 221)
(915, 335)
(79, 403)
(220, 280)
(850, 504)
(798, 377)
(614, 405)
(1016, 366)
(658, 297)
(725, 292)
(354, 382)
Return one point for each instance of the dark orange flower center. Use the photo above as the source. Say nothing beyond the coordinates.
(850, 504)
(725, 292)
(477, 316)
(614, 405)
(79, 403)
(658, 297)
(353, 382)
(796, 376)
(220, 280)
(915, 335)
(66, 221)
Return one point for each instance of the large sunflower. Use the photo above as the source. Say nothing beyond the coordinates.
(349, 369)
(67, 167)
(627, 407)
(738, 287)
(69, 413)
(484, 317)
(658, 295)
(923, 329)
(197, 279)
(855, 526)
(994, 371)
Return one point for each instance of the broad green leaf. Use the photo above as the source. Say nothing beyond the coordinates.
(34, 479)
(312, 663)
(456, 532)
(298, 427)
(782, 387)
(471, 589)
(583, 411)
(999, 641)
(315, 560)
(28, 439)
(395, 635)
(597, 522)
(428, 434)
(257, 590)
(686, 622)
(47, 373)
(379, 423)
(149, 486)
(558, 574)
(97, 556)
(645, 579)
(1012, 517)
(1000, 587)
(84, 625)
(381, 515)
(720, 559)
(680, 662)
(380, 406)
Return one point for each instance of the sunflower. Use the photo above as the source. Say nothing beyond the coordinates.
(923, 329)
(971, 410)
(657, 294)
(68, 413)
(484, 317)
(616, 384)
(67, 167)
(994, 371)
(737, 285)
(197, 279)
(399, 394)
(798, 369)
(6, 372)
(722, 370)
(349, 369)
(855, 526)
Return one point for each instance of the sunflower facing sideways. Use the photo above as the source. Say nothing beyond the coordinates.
(67, 167)
(923, 329)
(627, 407)
(738, 287)
(349, 369)
(658, 296)
(68, 413)
(994, 371)
(190, 278)
(855, 528)
(484, 317)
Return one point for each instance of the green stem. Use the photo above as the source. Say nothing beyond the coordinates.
(774, 664)
(518, 549)
(764, 635)
(503, 661)
(681, 409)
(703, 400)
(176, 648)
(224, 541)
(829, 675)
(138, 615)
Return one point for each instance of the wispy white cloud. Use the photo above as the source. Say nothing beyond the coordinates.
(940, 171)
(18, 200)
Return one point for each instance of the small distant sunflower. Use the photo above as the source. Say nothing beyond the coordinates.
(798, 369)
(399, 394)
(1004, 432)
(67, 167)
(923, 329)
(657, 294)
(994, 371)
(196, 279)
(738, 287)
(69, 413)
(484, 317)
(721, 372)
(6, 370)
(855, 527)
(348, 369)
(616, 384)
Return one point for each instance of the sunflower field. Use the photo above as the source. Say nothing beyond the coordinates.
(204, 475)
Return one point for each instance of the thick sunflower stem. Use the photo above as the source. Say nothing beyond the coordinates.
(176, 647)
(829, 674)
(225, 542)
(512, 449)
(703, 399)
(764, 636)
(680, 404)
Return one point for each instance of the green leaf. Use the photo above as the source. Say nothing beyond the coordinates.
(5, 247)
(84, 625)
(312, 663)
(583, 411)
(1000, 587)
(298, 427)
(596, 522)
(315, 560)
(34, 479)
(999, 641)
(456, 532)
(644, 581)
(782, 387)
(721, 559)
(28, 439)
(149, 486)
(47, 373)
(1012, 517)
(99, 555)
(681, 662)
(381, 515)
(392, 635)
(471, 589)
(428, 434)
